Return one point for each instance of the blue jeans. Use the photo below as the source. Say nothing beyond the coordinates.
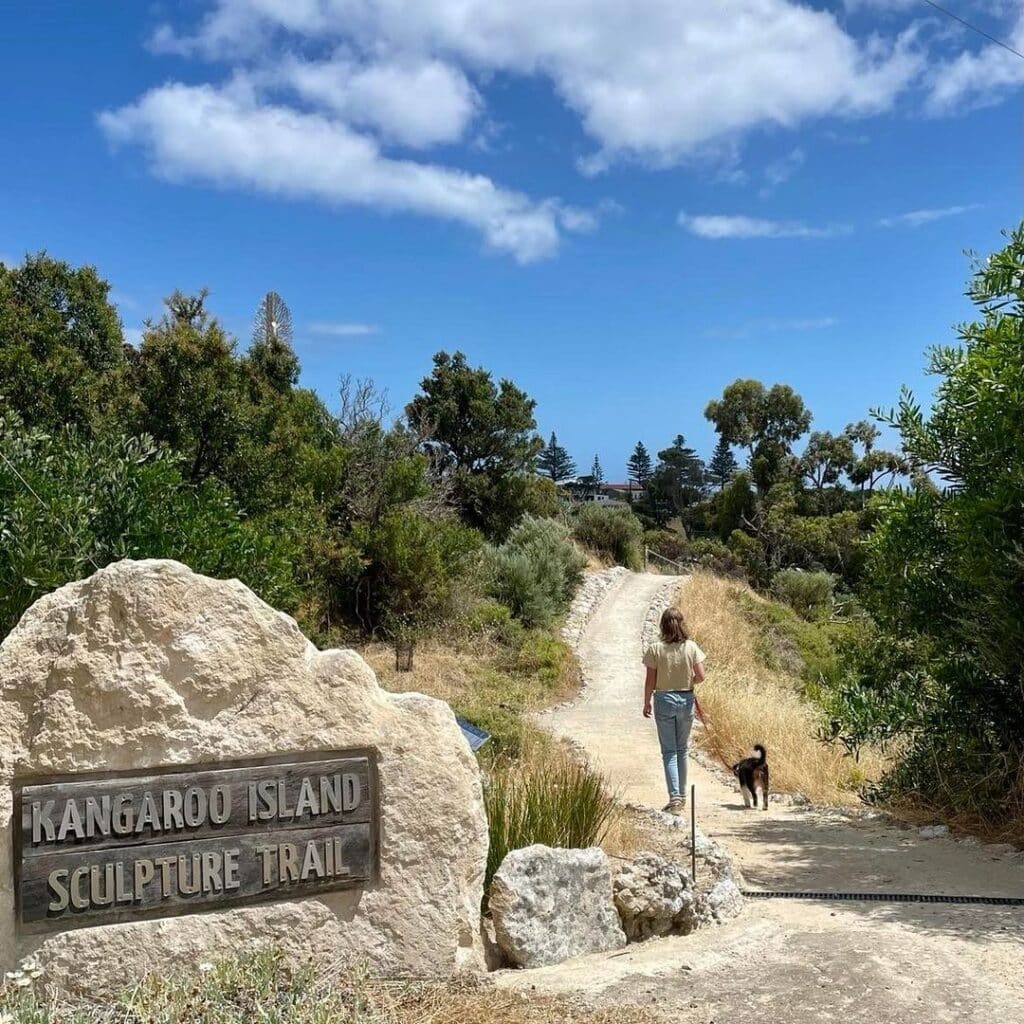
(673, 715)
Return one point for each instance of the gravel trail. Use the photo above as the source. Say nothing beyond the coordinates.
(792, 960)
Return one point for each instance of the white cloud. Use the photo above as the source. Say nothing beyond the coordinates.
(773, 326)
(343, 330)
(780, 171)
(916, 218)
(656, 80)
(719, 226)
(977, 78)
(414, 102)
(226, 137)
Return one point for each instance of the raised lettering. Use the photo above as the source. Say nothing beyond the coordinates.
(149, 814)
(306, 803)
(311, 862)
(173, 817)
(268, 794)
(143, 876)
(283, 810)
(220, 804)
(121, 893)
(211, 873)
(42, 822)
(97, 815)
(231, 868)
(165, 864)
(101, 896)
(195, 806)
(288, 863)
(123, 817)
(71, 822)
(268, 855)
(79, 897)
(189, 882)
(353, 790)
(340, 868)
(330, 793)
(57, 881)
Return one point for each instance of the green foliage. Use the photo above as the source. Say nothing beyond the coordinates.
(809, 594)
(61, 349)
(536, 571)
(678, 481)
(70, 504)
(415, 569)
(639, 466)
(555, 461)
(722, 467)
(763, 420)
(484, 437)
(715, 557)
(611, 531)
(734, 506)
(544, 799)
(749, 551)
(945, 573)
(667, 543)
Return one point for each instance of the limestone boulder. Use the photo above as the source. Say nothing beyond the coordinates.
(654, 897)
(148, 665)
(551, 904)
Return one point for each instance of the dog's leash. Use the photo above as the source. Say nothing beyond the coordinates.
(715, 747)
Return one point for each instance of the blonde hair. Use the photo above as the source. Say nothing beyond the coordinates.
(673, 626)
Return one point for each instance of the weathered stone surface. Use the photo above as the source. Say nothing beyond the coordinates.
(548, 905)
(146, 664)
(933, 831)
(720, 903)
(654, 897)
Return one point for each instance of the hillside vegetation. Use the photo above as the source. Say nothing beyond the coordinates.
(760, 658)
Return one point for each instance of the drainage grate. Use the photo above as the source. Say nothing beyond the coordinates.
(887, 897)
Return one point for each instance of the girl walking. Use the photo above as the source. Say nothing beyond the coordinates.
(675, 664)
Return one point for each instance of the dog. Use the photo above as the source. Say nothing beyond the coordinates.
(753, 772)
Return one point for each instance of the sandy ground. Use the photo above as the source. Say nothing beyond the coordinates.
(794, 960)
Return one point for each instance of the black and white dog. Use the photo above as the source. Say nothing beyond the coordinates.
(753, 772)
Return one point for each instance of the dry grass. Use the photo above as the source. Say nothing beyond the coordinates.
(263, 986)
(745, 702)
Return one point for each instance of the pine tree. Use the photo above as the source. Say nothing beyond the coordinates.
(271, 350)
(722, 467)
(596, 472)
(639, 465)
(680, 477)
(555, 461)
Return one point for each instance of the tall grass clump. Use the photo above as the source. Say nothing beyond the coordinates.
(611, 531)
(536, 571)
(747, 700)
(809, 594)
(544, 798)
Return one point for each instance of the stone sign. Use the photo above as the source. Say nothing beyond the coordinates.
(105, 849)
(183, 776)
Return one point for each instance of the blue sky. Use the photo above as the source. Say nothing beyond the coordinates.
(622, 207)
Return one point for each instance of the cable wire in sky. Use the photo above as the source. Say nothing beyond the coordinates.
(974, 28)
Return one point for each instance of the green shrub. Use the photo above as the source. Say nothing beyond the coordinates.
(717, 558)
(611, 531)
(546, 799)
(751, 555)
(667, 543)
(536, 571)
(809, 594)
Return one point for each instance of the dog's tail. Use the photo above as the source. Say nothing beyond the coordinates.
(762, 754)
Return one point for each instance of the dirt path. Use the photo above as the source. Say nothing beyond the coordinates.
(799, 961)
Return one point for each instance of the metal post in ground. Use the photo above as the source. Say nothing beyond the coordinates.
(693, 833)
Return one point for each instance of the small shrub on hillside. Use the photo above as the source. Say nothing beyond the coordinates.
(544, 798)
(716, 558)
(536, 571)
(667, 543)
(612, 531)
(751, 555)
(809, 594)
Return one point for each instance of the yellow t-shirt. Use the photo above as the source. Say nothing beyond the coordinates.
(674, 662)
